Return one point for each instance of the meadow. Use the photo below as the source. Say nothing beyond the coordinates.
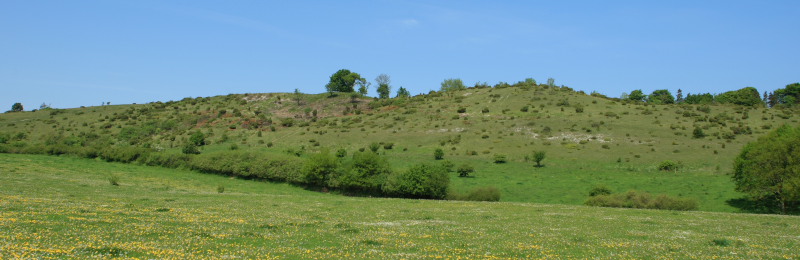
(61, 207)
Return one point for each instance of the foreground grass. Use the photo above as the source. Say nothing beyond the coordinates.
(60, 207)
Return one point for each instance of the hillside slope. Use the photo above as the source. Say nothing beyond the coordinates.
(588, 140)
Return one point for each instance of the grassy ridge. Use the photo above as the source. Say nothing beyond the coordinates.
(589, 140)
(61, 207)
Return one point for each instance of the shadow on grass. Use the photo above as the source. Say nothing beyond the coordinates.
(762, 206)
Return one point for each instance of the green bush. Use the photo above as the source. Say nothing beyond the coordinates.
(438, 154)
(642, 200)
(374, 147)
(600, 190)
(190, 148)
(500, 158)
(698, 133)
(464, 170)
(341, 153)
(198, 138)
(668, 166)
(424, 181)
(113, 180)
(365, 173)
(477, 194)
(319, 167)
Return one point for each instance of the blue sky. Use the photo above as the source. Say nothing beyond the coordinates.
(81, 53)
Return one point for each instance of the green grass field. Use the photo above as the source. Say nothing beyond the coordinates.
(62, 207)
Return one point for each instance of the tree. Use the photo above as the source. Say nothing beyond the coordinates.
(297, 96)
(679, 96)
(363, 86)
(551, 82)
(538, 157)
(449, 85)
(746, 97)
(769, 168)
(384, 87)
(637, 95)
(342, 81)
(403, 92)
(788, 96)
(661, 96)
(17, 107)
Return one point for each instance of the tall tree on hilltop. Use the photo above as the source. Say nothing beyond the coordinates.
(17, 107)
(342, 81)
(637, 95)
(679, 96)
(661, 96)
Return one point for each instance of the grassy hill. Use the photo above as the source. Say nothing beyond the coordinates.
(64, 207)
(589, 140)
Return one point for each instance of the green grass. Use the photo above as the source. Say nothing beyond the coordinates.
(610, 143)
(62, 207)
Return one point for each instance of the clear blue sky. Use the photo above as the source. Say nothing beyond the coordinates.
(82, 53)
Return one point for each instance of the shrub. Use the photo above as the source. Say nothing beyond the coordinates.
(668, 166)
(478, 194)
(364, 174)
(485, 110)
(500, 158)
(113, 180)
(420, 181)
(220, 188)
(190, 148)
(319, 167)
(198, 138)
(464, 170)
(538, 157)
(600, 190)
(642, 200)
(698, 133)
(341, 153)
(374, 147)
(438, 154)
(388, 146)
(461, 110)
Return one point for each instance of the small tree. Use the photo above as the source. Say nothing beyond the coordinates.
(403, 93)
(438, 154)
(16, 107)
(297, 96)
(551, 82)
(538, 157)
(363, 86)
(449, 85)
(769, 168)
(384, 89)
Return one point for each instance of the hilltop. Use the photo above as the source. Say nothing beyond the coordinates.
(589, 140)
